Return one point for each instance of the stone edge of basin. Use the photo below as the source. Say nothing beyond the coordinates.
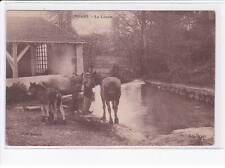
(201, 94)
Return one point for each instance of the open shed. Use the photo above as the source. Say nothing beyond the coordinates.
(36, 47)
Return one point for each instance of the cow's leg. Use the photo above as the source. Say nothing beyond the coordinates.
(109, 110)
(42, 113)
(62, 111)
(115, 108)
(51, 112)
(74, 102)
(46, 107)
(103, 106)
(55, 111)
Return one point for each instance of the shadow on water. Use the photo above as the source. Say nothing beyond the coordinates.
(152, 111)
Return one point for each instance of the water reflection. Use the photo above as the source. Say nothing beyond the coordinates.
(152, 111)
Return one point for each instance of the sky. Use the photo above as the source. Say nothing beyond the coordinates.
(84, 22)
(93, 22)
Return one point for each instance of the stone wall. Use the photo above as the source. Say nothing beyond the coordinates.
(201, 94)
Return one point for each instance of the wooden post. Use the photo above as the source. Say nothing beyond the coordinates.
(15, 64)
(80, 59)
(9, 58)
(33, 60)
(75, 61)
(22, 53)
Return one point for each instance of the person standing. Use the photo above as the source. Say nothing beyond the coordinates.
(88, 93)
(76, 93)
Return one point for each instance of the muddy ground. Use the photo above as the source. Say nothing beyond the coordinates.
(24, 128)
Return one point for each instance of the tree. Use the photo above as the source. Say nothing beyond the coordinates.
(142, 18)
(174, 46)
(63, 19)
(175, 43)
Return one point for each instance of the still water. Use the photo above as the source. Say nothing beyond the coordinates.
(152, 111)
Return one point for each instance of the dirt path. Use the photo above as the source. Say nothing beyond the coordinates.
(24, 128)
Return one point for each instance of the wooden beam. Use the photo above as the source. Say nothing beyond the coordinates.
(9, 59)
(33, 60)
(10, 63)
(15, 64)
(80, 59)
(22, 53)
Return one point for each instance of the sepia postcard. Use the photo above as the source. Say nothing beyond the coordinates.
(87, 82)
(110, 78)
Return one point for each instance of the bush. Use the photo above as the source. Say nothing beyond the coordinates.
(16, 93)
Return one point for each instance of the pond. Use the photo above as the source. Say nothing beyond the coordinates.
(151, 111)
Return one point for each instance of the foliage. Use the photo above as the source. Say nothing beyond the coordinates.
(98, 45)
(173, 46)
(180, 46)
